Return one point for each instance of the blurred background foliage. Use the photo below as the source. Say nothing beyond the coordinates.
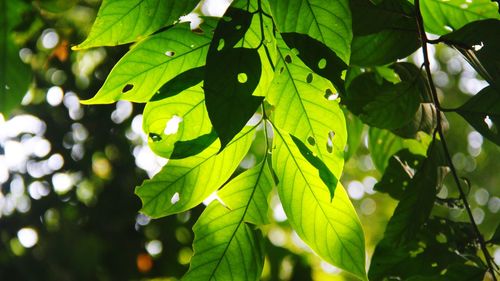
(67, 172)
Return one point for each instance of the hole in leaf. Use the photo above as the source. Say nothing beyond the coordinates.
(238, 27)
(309, 78)
(322, 63)
(175, 198)
(169, 53)
(488, 122)
(282, 69)
(242, 78)
(198, 31)
(154, 137)
(330, 95)
(192, 46)
(441, 238)
(288, 59)
(415, 163)
(227, 19)
(127, 88)
(329, 143)
(172, 125)
(221, 45)
(311, 140)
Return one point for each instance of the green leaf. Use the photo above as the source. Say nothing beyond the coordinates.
(418, 199)
(154, 61)
(225, 247)
(479, 43)
(383, 105)
(15, 76)
(328, 21)
(482, 111)
(330, 227)
(442, 249)
(424, 120)
(355, 129)
(231, 98)
(318, 57)
(495, 239)
(302, 108)
(228, 97)
(120, 22)
(399, 173)
(183, 184)
(250, 191)
(441, 17)
(160, 117)
(383, 32)
(383, 144)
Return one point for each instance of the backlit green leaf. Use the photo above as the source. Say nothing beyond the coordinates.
(225, 247)
(154, 61)
(182, 117)
(119, 22)
(250, 191)
(328, 21)
(183, 184)
(330, 227)
(302, 108)
(441, 17)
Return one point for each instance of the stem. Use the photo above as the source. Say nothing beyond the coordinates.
(424, 40)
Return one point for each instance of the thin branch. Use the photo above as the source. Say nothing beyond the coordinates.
(424, 40)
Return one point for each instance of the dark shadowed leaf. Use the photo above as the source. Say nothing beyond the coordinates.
(399, 173)
(228, 94)
(318, 57)
(383, 105)
(383, 32)
(482, 111)
(417, 200)
(479, 43)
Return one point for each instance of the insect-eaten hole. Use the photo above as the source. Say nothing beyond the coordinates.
(220, 46)
(288, 59)
(227, 18)
(329, 142)
(172, 125)
(488, 122)
(311, 140)
(322, 63)
(169, 53)
(154, 137)
(282, 69)
(127, 88)
(309, 78)
(242, 78)
(175, 198)
(330, 95)
(238, 27)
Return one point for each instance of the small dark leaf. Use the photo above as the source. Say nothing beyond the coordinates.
(180, 83)
(184, 149)
(231, 29)
(424, 120)
(383, 32)
(324, 173)
(417, 200)
(399, 173)
(385, 105)
(318, 57)
(495, 239)
(482, 111)
(479, 42)
(229, 101)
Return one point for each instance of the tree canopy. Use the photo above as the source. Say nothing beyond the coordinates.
(264, 107)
